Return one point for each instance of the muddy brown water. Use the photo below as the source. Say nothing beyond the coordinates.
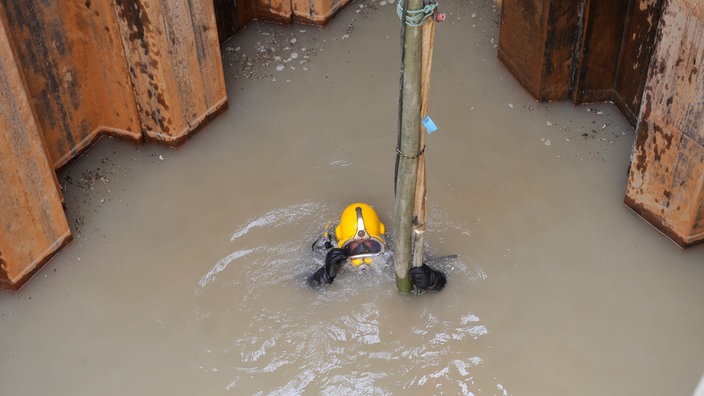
(187, 270)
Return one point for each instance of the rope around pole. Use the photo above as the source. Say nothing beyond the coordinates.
(418, 154)
(416, 18)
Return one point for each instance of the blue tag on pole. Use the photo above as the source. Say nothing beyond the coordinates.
(429, 125)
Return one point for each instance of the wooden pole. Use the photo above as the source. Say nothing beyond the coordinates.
(408, 151)
(419, 210)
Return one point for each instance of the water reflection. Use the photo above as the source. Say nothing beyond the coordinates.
(358, 335)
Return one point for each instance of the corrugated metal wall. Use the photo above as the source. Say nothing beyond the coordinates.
(581, 50)
(232, 15)
(71, 71)
(32, 222)
(74, 70)
(151, 69)
(666, 179)
(620, 51)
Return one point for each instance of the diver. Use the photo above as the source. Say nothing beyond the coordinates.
(358, 239)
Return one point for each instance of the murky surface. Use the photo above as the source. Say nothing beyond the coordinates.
(187, 270)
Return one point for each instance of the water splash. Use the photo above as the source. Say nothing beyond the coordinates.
(333, 354)
(349, 337)
(278, 217)
(221, 265)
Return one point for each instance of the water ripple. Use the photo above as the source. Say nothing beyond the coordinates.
(273, 335)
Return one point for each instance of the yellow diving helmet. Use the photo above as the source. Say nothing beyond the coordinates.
(361, 233)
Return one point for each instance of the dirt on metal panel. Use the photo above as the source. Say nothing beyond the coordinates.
(636, 51)
(32, 222)
(521, 41)
(75, 71)
(666, 179)
(174, 67)
(318, 12)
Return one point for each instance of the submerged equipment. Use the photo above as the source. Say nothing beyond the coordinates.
(360, 233)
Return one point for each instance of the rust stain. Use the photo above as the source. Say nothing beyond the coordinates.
(160, 99)
(640, 148)
(668, 195)
(76, 86)
(667, 189)
(132, 12)
(73, 74)
(31, 216)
